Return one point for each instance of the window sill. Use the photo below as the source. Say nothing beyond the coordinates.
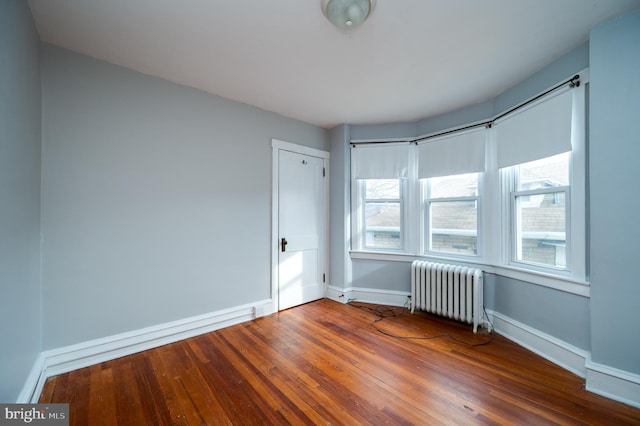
(383, 255)
(556, 282)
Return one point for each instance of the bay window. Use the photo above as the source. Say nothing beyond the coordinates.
(508, 193)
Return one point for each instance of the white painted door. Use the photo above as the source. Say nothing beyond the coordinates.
(301, 228)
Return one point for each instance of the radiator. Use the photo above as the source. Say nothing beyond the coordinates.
(448, 290)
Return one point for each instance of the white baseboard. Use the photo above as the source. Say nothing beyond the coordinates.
(368, 295)
(613, 383)
(337, 293)
(69, 358)
(33, 386)
(609, 382)
(555, 350)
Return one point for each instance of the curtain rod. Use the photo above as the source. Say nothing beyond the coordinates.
(446, 132)
(374, 142)
(572, 82)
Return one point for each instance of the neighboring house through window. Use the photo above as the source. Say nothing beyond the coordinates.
(451, 214)
(383, 209)
(539, 200)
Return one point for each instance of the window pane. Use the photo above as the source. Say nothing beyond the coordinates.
(455, 186)
(454, 227)
(386, 189)
(546, 173)
(541, 222)
(382, 225)
(383, 214)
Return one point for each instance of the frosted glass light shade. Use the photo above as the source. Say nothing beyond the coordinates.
(347, 14)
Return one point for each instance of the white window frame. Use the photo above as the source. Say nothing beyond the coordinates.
(516, 239)
(425, 224)
(573, 278)
(359, 220)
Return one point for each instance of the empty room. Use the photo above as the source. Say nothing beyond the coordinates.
(319, 212)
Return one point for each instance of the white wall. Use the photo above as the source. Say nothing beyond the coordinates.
(19, 197)
(156, 199)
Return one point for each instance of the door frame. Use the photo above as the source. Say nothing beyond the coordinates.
(277, 146)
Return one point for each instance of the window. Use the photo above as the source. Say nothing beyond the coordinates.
(541, 165)
(508, 193)
(383, 212)
(540, 213)
(450, 206)
(379, 187)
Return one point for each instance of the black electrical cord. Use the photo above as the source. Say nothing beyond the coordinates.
(389, 312)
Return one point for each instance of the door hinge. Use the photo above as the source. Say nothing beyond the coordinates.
(323, 278)
(323, 172)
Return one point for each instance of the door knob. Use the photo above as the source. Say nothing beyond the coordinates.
(283, 244)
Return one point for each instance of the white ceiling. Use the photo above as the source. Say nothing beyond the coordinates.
(410, 60)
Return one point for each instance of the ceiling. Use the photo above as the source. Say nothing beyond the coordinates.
(411, 59)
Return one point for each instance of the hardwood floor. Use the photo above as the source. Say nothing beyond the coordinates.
(328, 363)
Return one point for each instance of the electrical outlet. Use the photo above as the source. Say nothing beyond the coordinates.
(258, 311)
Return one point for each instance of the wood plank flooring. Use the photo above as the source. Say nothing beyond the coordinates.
(329, 363)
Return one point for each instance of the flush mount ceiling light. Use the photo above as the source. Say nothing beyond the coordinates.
(347, 14)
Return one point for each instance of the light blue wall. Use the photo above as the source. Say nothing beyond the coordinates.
(563, 67)
(383, 131)
(340, 190)
(464, 116)
(20, 304)
(381, 275)
(615, 192)
(156, 199)
(563, 315)
(513, 298)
